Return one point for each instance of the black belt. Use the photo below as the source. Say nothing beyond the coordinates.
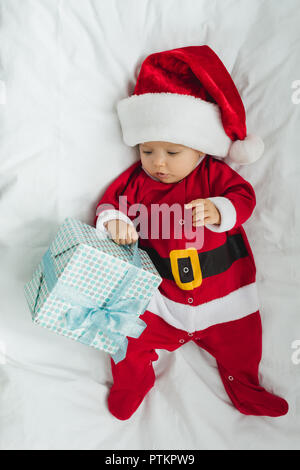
(212, 262)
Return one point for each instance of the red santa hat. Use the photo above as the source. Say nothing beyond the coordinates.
(187, 96)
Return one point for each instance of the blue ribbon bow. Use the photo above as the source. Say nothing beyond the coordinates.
(116, 319)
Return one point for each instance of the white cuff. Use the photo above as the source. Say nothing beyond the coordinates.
(109, 215)
(228, 214)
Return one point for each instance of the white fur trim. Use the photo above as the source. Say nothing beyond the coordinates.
(247, 151)
(109, 215)
(228, 214)
(237, 304)
(171, 117)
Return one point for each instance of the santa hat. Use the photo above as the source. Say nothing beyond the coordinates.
(187, 96)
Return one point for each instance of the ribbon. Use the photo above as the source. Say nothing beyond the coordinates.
(117, 318)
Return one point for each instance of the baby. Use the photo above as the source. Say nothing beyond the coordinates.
(186, 115)
(172, 170)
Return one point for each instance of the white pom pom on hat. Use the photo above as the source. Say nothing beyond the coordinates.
(247, 151)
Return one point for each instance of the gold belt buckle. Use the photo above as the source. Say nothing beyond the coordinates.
(197, 273)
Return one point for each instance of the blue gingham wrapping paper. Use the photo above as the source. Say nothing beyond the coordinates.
(95, 267)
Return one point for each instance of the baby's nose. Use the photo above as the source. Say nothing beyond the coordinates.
(160, 160)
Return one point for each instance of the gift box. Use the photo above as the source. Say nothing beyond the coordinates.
(92, 290)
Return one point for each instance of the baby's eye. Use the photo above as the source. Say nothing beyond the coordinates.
(173, 153)
(144, 151)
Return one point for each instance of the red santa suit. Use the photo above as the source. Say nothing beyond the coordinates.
(208, 294)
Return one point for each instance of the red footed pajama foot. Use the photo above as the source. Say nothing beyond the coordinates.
(255, 400)
(123, 403)
(271, 405)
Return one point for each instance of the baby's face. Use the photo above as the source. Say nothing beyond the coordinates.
(168, 162)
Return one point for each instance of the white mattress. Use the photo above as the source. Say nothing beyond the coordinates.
(64, 64)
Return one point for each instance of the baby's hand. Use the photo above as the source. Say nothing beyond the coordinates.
(204, 212)
(121, 232)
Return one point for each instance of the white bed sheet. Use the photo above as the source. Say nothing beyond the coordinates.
(64, 64)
